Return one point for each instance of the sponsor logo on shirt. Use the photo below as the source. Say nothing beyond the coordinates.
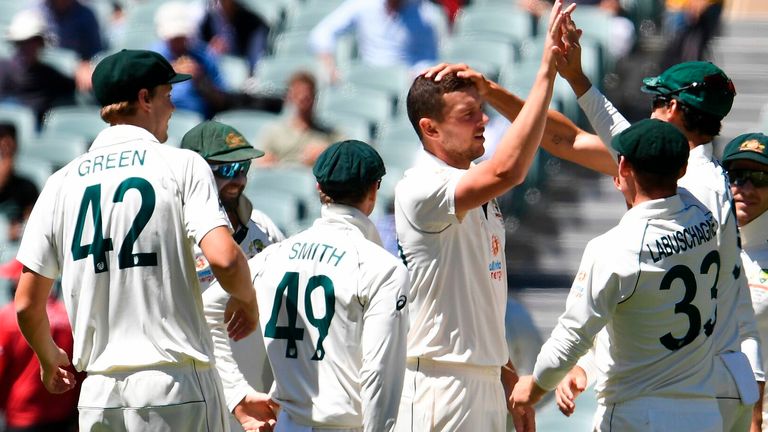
(401, 302)
(495, 245)
(495, 269)
(763, 276)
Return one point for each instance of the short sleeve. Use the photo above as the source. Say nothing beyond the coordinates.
(427, 198)
(202, 209)
(38, 245)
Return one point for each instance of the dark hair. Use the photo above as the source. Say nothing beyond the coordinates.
(425, 98)
(694, 119)
(347, 196)
(304, 77)
(8, 129)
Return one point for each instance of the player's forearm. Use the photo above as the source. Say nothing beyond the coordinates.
(30, 303)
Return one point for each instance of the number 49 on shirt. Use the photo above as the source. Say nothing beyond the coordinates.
(291, 333)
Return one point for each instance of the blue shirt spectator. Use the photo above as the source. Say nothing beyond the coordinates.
(74, 26)
(388, 32)
(204, 93)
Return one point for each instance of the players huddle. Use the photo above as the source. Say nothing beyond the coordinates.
(151, 242)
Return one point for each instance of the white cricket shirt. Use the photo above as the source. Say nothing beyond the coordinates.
(736, 329)
(649, 284)
(118, 224)
(332, 305)
(242, 365)
(457, 267)
(754, 255)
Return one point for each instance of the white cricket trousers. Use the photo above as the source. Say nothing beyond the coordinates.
(170, 397)
(658, 414)
(286, 424)
(441, 396)
(736, 416)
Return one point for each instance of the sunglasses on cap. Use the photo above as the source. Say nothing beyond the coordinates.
(739, 177)
(712, 82)
(231, 170)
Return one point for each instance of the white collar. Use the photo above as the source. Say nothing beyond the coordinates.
(654, 208)
(755, 233)
(352, 217)
(121, 134)
(702, 153)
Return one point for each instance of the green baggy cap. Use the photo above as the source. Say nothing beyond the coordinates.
(120, 76)
(348, 165)
(219, 142)
(751, 146)
(654, 146)
(699, 84)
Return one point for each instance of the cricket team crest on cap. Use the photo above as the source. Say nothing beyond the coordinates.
(234, 140)
(495, 245)
(752, 145)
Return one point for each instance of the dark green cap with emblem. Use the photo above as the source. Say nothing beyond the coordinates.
(751, 146)
(699, 84)
(120, 76)
(218, 142)
(654, 146)
(348, 165)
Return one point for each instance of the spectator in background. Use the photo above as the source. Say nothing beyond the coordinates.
(690, 25)
(299, 138)
(26, 404)
(24, 79)
(17, 194)
(387, 32)
(229, 27)
(74, 26)
(205, 92)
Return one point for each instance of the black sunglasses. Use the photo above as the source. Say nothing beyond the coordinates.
(231, 170)
(739, 177)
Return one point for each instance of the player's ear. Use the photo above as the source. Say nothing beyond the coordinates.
(144, 98)
(428, 128)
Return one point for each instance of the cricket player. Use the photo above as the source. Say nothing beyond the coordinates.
(695, 97)
(746, 160)
(451, 236)
(651, 283)
(334, 306)
(118, 225)
(242, 365)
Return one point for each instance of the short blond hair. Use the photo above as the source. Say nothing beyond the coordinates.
(112, 112)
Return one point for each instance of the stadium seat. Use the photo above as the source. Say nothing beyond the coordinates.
(250, 123)
(479, 51)
(181, 122)
(23, 118)
(371, 105)
(34, 167)
(393, 80)
(138, 28)
(295, 43)
(308, 15)
(272, 73)
(503, 22)
(57, 148)
(349, 126)
(292, 182)
(234, 71)
(83, 121)
(62, 59)
(281, 208)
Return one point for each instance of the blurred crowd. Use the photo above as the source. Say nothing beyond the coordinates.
(234, 50)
